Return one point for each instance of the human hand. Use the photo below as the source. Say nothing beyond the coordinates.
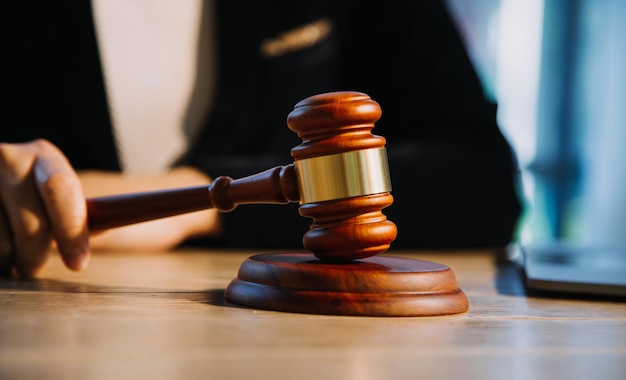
(41, 205)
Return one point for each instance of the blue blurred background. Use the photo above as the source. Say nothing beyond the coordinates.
(557, 69)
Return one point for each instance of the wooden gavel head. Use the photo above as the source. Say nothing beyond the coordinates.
(343, 176)
(340, 177)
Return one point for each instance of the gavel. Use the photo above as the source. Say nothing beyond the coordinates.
(340, 176)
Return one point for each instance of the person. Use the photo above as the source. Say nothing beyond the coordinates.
(62, 126)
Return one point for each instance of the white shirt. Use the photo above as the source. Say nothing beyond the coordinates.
(158, 93)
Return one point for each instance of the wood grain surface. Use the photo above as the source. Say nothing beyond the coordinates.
(162, 316)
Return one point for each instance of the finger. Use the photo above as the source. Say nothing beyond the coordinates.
(6, 247)
(25, 215)
(64, 202)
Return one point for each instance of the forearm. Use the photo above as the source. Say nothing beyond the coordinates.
(161, 234)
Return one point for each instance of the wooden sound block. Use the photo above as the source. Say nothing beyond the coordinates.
(374, 286)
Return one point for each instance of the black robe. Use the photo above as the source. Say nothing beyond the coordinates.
(454, 175)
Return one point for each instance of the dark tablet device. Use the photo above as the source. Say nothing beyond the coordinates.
(576, 270)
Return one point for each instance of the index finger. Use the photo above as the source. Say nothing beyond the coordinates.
(62, 194)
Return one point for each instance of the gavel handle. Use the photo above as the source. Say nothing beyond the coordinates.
(277, 186)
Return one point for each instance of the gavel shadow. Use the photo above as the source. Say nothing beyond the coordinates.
(213, 297)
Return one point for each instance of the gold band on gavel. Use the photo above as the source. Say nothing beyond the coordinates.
(343, 175)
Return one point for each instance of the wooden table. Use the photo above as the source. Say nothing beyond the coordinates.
(162, 316)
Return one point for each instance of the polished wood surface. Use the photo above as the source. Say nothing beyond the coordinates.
(381, 286)
(162, 316)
